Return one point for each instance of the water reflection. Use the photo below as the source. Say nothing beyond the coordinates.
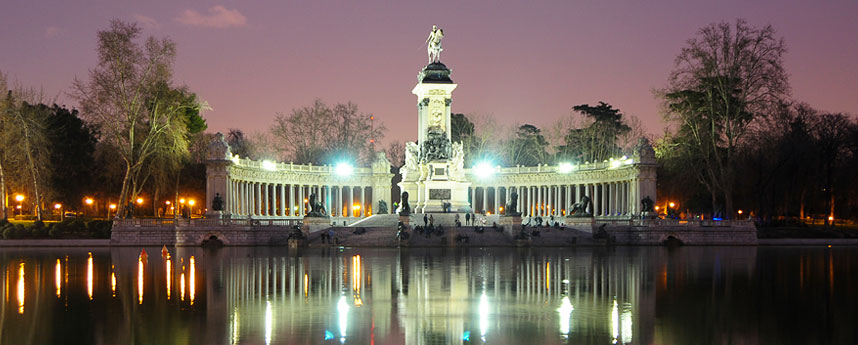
(361, 296)
(59, 278)
(21, 292)
(89, 276)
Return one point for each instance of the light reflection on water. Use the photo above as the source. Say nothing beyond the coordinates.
(371, 296)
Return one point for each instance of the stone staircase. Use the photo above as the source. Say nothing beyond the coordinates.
(373, 237)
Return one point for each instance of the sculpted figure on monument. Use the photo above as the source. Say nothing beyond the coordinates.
(647, 205)
(217, 203)
(412, 154)
(404, 207)
(436, 147)
(433, 48)
(580, 209)
(509, 209)
(316, 207)
(219, 149)
(457, 166)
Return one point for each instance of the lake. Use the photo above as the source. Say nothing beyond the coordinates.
(262, 295)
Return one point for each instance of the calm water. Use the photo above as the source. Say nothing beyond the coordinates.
(622, 295)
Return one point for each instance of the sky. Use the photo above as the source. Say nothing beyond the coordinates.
(515, 61)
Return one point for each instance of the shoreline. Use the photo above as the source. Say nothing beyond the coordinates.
(801, 242)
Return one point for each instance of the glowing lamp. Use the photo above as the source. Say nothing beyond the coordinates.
(344, 169)
(269, 165)
(19, 198)
(88, 201)
(112, 206)
(58, 206)
(191, 202)
(484, 170)
(139, 201)
(672, 205)
(565, 168)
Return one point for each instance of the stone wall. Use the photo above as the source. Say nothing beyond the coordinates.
(690, 233)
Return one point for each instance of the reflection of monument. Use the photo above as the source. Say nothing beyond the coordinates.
(433, 171)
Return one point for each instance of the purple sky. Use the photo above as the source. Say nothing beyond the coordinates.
(524, 61)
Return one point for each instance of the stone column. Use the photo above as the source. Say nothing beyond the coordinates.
(590, 189)
(569, 199)
(539, 202)
(497, 201)
(485, 200)
(605, 195)
(267, 196)
(360, 200)
(283, 200)
(339, 201)
(301, 207)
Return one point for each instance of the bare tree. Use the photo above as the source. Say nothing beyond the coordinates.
(395, 153)
(320, 134)
(724, 79)
(129, 97)
(24, 146)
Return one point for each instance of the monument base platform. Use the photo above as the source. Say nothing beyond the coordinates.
(313, 224)
(584, 224)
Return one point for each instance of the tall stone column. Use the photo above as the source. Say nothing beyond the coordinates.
(539, 203)
(283, 208)
(496, 206)
(361, 198)
(594, 197)
(267, 196)
(301, 207)
(569, 199)
(339, 201)
(485, 200)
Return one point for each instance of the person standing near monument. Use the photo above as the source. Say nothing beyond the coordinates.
(425, 220)
(467, 218)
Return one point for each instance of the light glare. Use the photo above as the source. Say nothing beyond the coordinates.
(344, 169)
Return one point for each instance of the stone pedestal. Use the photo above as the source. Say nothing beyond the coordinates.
(585, 224)
(313, 224)
(214, 215)
(511, 225)
(406, 220)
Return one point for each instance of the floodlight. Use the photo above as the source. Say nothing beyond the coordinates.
(344, 169)
(565, 168)
(269, 165)
(484, 170)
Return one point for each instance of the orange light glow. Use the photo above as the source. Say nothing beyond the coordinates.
(89, 276)
(140, 280)
(58, 275)
(112, 281)
(169, 276)
(21, 292)
(192, 279)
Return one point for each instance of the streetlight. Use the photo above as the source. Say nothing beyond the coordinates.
(59, 207)
(112, 208)
(88, 201)
(19, 198)
(191, 211)
(672, 205)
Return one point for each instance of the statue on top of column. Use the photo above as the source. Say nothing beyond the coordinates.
(433, 48)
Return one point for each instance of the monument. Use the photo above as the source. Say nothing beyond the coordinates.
(434, 173)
